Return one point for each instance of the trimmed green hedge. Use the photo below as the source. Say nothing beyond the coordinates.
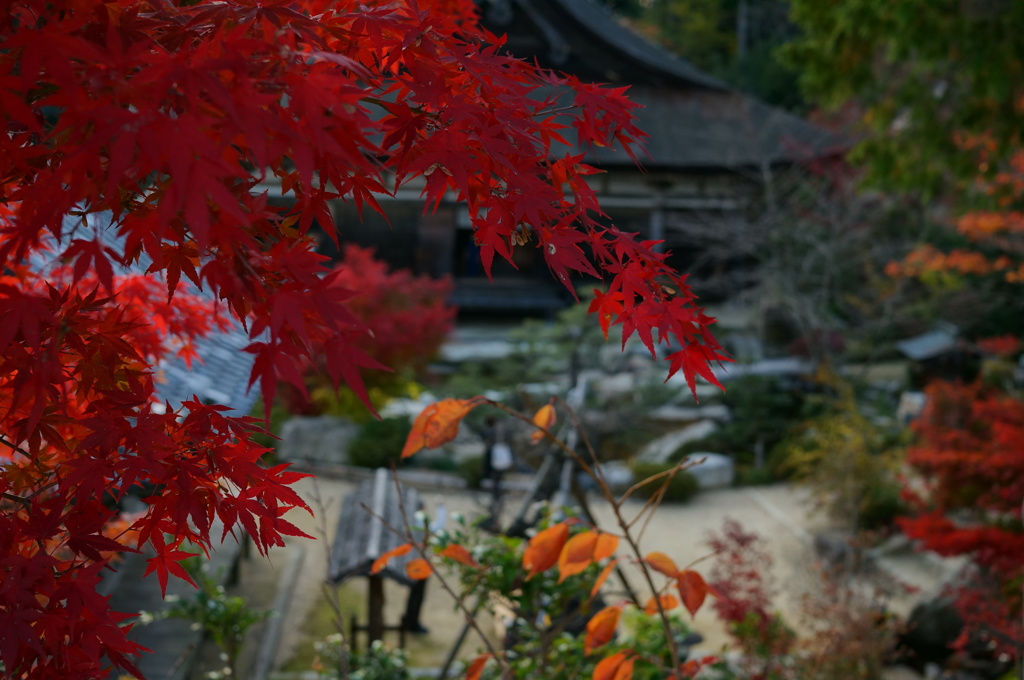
(379, 442)
(681, 489)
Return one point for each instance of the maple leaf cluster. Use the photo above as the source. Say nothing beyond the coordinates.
(993, 232)
(406, 318)
(172, 119)
(968, 453)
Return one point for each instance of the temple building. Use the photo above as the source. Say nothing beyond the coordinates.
(707, 153)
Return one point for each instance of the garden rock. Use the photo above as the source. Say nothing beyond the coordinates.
(615, 386)
(688, 414)
(661, 449)
(618, 475)
(931, 628)
(714, 472)
(316, 439)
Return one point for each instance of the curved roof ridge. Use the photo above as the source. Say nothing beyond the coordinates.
(605, 25)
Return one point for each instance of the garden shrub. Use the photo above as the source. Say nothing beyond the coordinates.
(472, 470)
(748, 475)
(846, 455)
(379, 442)
(882, 504)
(379, 662)
(681, 488)
(763, 413)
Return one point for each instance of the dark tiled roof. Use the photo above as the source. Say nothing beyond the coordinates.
(220, 376)
(711, 129)
(694, 121)
(934, 343)
(585, 38)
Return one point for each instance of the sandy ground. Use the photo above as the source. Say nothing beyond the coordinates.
(780, 514)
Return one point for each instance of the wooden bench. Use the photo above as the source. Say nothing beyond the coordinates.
(370, 516)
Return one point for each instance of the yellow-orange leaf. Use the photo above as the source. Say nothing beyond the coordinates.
(459, 554)
(692, 590)
(668, 601)
(544, 548)
(382, 561)
(605, 573)
(438, 424)
(477, 667)
(419, 569)
(606, 546)
(601, 628)
(618, 666)
(577, 555)
(545, 417)
(659, 561)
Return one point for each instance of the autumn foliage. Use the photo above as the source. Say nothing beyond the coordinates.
(968, 454)
(405, 317)
(573, 550)
(142, 136)
(992, 234)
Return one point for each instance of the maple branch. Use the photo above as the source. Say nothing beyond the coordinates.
(14, 447)
(17, 499)
(560, 109)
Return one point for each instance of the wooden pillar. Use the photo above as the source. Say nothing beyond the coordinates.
(376, 608)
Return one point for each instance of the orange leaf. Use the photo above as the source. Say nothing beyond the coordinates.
(668, 601)
(606, 546)
(618, 666)
(625, 669)
(545, 418)
(692, 590)
(577, 555)
(601, 628)
(419, 569)
(438, 424)
(544, 548)
(477, 667)
(459, 554)
(659, 561)
(605, 573)
(382, 561)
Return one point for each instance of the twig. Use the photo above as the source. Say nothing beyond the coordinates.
(578, 424)
(421, 550)
(331, 594)
(623, 524)
(13, 446)
(17, 499)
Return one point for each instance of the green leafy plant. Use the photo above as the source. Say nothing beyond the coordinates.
(224, 618)
(379, 662)
(379, 442)
(472, 470)
(847, 457)
(763, 414)
(644, 633)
